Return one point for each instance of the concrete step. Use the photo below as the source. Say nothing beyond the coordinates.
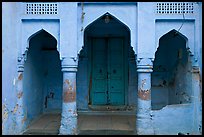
(131, 113)
(106, 122)
(41, 132)
(106, 132)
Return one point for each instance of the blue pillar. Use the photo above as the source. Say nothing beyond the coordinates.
(69, 112)
(143, 119)
(197, 100)
(20, 117)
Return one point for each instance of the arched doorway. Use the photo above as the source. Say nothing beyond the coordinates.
(106, 78)
(42, 79)
(171, 77)
(104, 59)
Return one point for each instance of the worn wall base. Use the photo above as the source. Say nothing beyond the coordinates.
(69, 119)
(144, 124)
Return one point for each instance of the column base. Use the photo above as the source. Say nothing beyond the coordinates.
(144, 125)
(69, 119)
(20, 124)
(70, 128)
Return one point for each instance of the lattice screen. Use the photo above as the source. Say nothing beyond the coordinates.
(41, 8)
(174, 7)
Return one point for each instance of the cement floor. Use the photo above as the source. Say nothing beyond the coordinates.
(97, 124)
(46, 124)
(106, 124)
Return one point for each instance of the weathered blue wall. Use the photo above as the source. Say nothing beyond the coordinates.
(173, 119)
(186, 74)
(67, 27)
(9, 67)
(90, 11)
(33, 78)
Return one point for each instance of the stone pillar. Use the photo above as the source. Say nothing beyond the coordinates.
(143, 116)
(18, 111)
(69, 112)
(197, 100)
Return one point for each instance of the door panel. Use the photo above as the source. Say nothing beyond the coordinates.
(99, 72)
(107, 71)
(116, 68)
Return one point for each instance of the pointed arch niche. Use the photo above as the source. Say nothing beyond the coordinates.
(171, 77)
(42, 81)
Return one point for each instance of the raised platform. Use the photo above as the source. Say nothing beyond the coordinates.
(89, 123)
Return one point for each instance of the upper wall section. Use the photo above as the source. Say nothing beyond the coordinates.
(142, 18)
(88, 12)
(185, 18)
(58, 18)
(172, 15)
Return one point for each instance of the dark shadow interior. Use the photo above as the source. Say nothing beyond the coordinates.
(42, 83)
(171, 77)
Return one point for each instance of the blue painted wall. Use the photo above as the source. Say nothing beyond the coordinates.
(67, 27)
(9, 67)
(173, 119)
(33, 81)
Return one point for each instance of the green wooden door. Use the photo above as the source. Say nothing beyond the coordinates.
(107, 71)
(99, 72)
(115, 71)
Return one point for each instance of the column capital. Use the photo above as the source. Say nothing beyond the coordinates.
(145, 65)
(68, 64)
(195, 69)
(69, 68)
(20, 64)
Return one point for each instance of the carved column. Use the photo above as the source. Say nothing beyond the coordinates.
(69, 112)
(20, 117)
(143, 118)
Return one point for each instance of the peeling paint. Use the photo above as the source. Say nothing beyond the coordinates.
(15, 109)
(69, 110)
(150, 66)
(142, 47)
(20, 76)
(69, 91)
(67, 82)
(74, 85)
(24, 119)
(75, 112)
(67, 86)
(20, 94)
(70, 88)
(197, 77)
(144, 94)
(74, 131)
(69, 96)
(5, 112)
(3, 107)
(143, 82)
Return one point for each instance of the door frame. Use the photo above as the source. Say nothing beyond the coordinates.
(126, 68)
